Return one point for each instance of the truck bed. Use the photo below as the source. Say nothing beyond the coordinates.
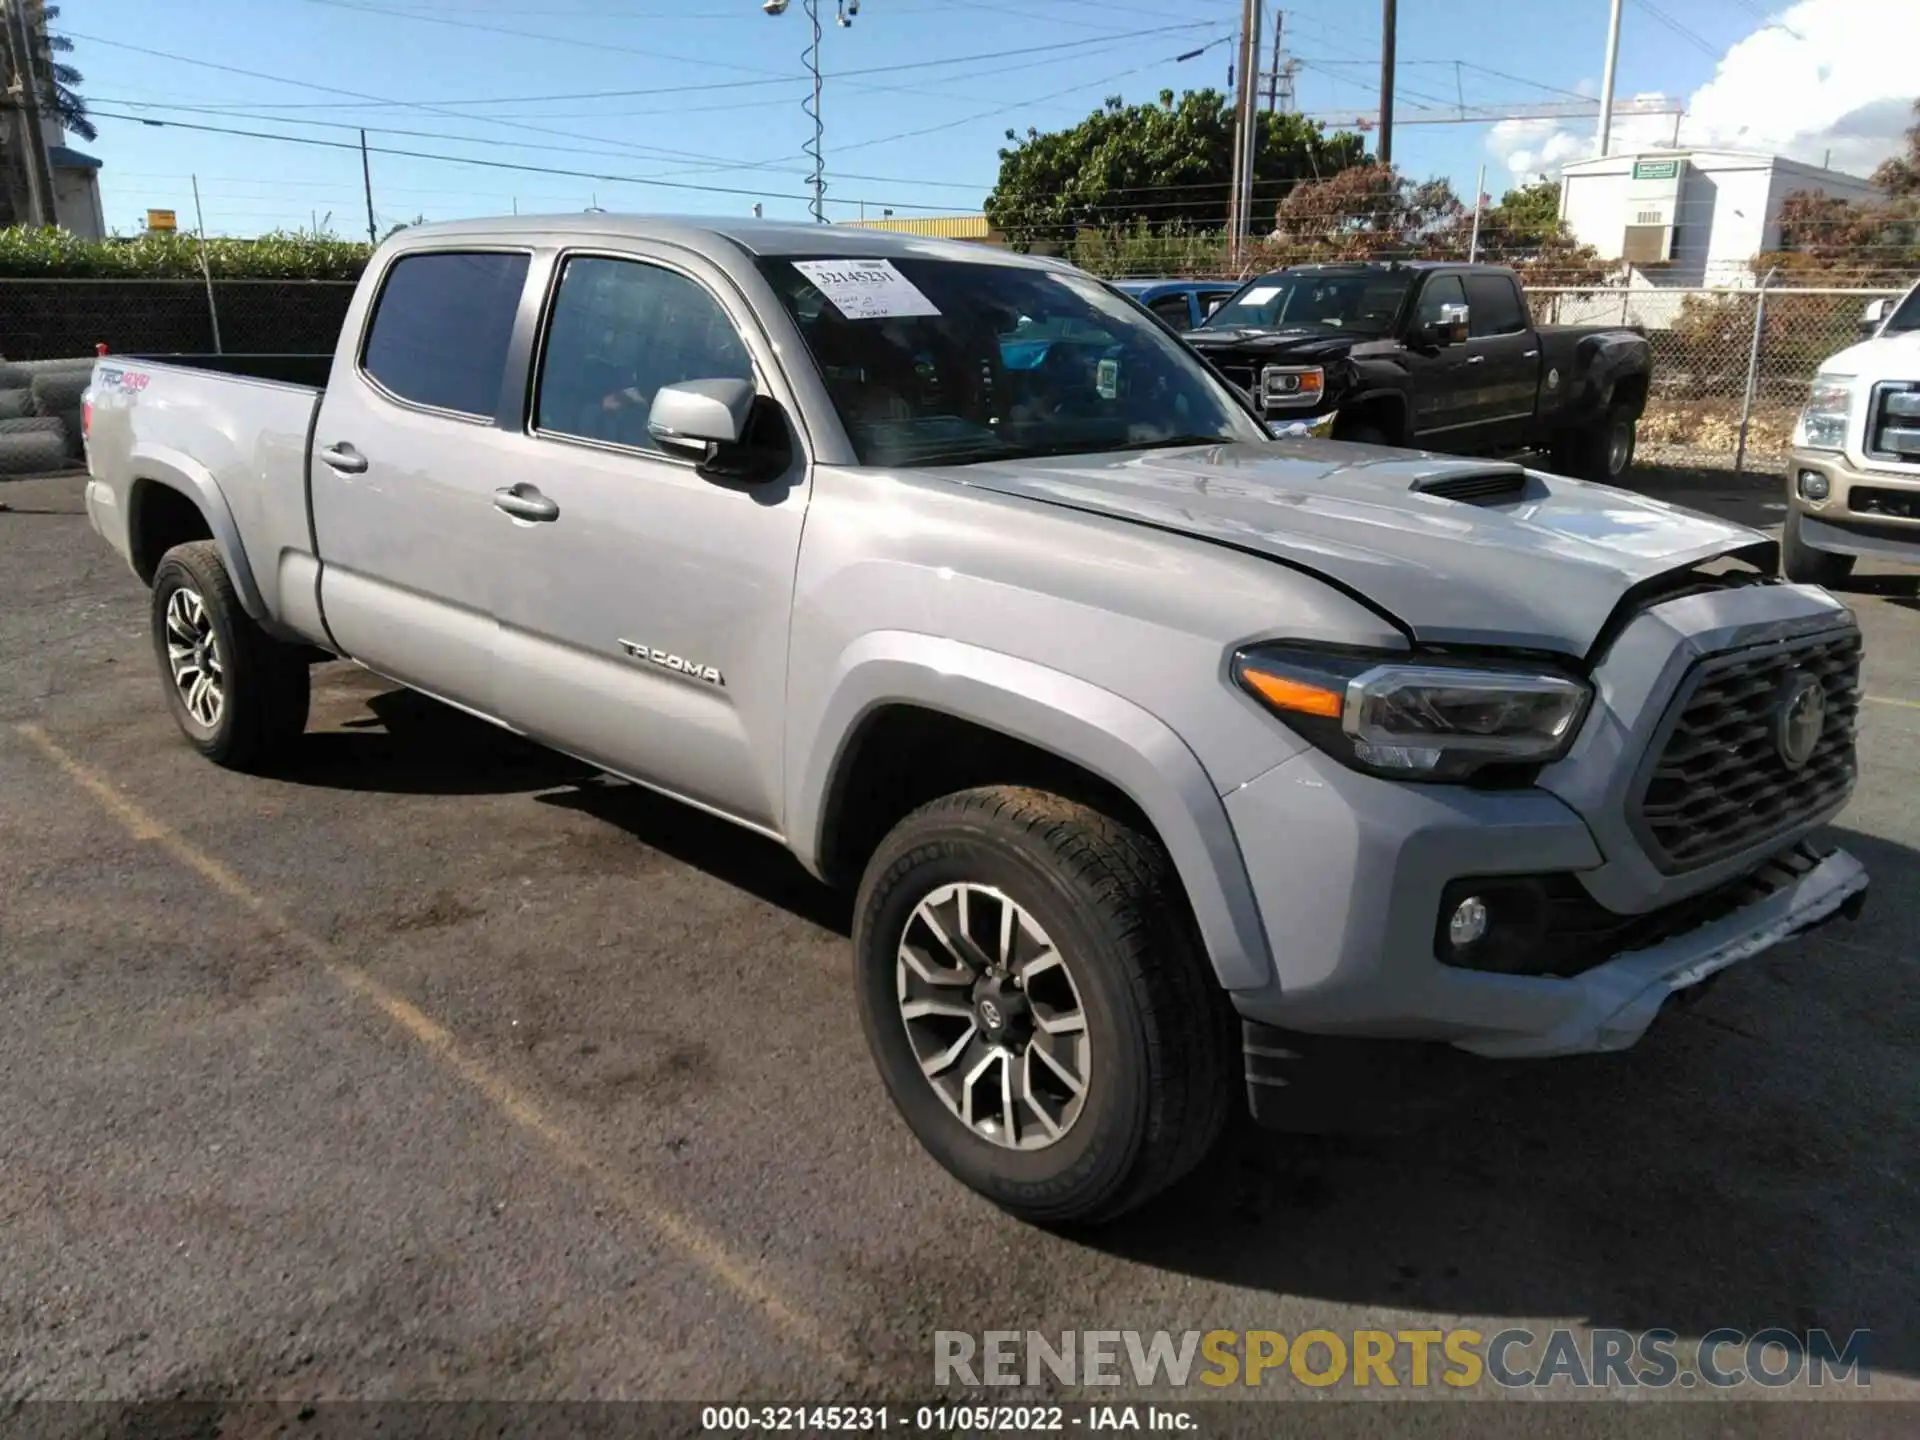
(230, 431)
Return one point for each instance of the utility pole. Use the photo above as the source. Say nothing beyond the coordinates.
(366, 179)
(1279, 49)
(1606, 84)
(27, 96)
(1389, 24)
(1245, 128)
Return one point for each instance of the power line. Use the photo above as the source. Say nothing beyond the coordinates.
(1692, 37)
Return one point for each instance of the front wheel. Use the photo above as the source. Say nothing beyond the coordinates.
(1039, 1005)
(1804, 565)
(238, 695)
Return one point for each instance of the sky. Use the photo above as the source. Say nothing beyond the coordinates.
(478, 107)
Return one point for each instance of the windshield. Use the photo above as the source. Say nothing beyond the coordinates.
(948, 362)
(1907, 317)
(1365, 302)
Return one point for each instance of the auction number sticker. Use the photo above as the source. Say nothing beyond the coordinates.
(866, 289)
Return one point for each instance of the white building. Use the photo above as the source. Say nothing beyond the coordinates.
(1683, 219)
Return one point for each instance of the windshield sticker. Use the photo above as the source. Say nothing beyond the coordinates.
(1106, 379)
(866, 289)
(1260, 295)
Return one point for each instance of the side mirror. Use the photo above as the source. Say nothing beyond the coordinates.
(1451, 328)
(695, 416)
(1874, 316)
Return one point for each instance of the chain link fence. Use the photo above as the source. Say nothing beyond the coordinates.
(56, 319)
(1723, 359)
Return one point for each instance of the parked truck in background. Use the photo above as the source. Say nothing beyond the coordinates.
(1444, 357)
(1169, 762)
(1853, 481)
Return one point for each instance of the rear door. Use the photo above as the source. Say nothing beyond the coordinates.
(1439, 383)
(1502, 362)
(644, 625)
(402, 472)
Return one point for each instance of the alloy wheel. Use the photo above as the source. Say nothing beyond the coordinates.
(994, 1017)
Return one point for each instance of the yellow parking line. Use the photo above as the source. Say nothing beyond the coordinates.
(1889, 700)
(710, 1253)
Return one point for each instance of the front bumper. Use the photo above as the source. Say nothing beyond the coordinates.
(1867, 513)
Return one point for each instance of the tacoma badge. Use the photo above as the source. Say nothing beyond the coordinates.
(671, 662)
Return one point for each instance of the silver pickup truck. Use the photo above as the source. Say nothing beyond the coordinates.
(1171, 760)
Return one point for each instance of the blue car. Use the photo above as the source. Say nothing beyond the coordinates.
(1183, 304)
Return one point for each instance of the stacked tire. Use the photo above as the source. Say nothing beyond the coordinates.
(40, 425)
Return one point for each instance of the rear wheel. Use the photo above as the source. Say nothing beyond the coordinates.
(1038, 1004)
(1603, 452)
(238, 695)
(1803, 564)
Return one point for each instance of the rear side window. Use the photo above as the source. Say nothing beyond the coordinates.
(441, 327)
(1495, 306)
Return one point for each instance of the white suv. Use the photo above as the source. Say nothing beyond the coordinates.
(1854, 485)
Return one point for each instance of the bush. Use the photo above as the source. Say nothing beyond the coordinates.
(51, 254)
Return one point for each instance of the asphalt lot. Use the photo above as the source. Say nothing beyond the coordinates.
(446, 1068)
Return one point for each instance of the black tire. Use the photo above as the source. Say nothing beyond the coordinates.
(1603, 452)
(40, 452)
(59, 390)
(264, 689)
(75, 423)
(1163, 1067)
(32, 425)
(16, 403)
(1804, 565)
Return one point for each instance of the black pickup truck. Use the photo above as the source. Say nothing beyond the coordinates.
(1433, 356)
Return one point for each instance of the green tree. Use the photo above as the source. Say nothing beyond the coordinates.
(1900, 176)
(1530, 214)
(1167, 166)
(58, 80)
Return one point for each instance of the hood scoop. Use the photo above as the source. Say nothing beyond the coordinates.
(1487, 487)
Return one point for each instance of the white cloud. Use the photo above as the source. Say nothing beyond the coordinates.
(1825, 81)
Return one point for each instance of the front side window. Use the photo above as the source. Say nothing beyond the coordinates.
(620, 331)
(1906, 319)
(1362, 302)
(1440, 291)
(951, 362)
(1495, 306)
(441, 327)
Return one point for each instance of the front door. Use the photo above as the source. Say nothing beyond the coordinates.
(404, 454)
(1439, 379)
(643, 626)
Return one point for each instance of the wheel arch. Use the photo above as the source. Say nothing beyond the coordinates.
(1016, 711)
(164, 497)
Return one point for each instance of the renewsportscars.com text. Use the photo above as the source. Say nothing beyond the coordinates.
(1459, 1358)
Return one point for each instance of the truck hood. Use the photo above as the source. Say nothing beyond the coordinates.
(1541, 566)
(1891, 357)
(1303, 344)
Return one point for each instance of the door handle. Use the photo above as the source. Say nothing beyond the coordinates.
(523, 502)
(1531, 355)
(344, 458)
(1476, 359)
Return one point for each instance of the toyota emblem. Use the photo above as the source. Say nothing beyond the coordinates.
(1800, 719)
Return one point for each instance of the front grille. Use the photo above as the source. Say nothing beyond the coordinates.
(1719, 785)
(1243, 375)
(1893, 422)
(1878, 500)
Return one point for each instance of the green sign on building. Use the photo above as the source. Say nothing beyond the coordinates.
(1656, 169)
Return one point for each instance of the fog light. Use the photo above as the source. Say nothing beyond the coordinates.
(1468, 923)
(1814, 485)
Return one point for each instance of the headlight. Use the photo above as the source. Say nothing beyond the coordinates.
(1290, 385)
(1823, 420)
(1413, 720)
